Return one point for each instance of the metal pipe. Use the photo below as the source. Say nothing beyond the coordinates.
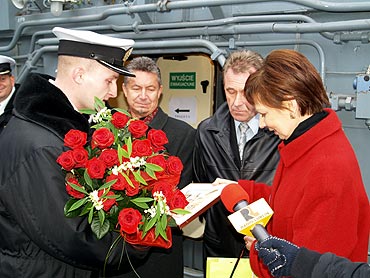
(316, 4)
(216, 53)
(244, 29)
(319, 5)
(220, 22)
(286, 42)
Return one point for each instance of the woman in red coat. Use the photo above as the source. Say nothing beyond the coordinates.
(318, 197)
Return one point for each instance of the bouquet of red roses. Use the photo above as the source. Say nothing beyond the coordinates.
(122, 179)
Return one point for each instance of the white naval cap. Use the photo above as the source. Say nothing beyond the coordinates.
(6, 64)
(110, 52)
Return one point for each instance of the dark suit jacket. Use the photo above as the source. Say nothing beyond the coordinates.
(216, 156)
(168, 263)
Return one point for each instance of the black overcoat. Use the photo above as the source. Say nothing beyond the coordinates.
(216, 156)
(36, 239)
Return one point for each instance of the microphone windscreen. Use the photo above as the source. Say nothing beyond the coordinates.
(233, 194)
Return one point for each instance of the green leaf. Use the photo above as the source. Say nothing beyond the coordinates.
(101, 215)
(91, 214)
(122, 153)
(150, 224)
(163, 221)
(123, 111)
(128, 142)
(138, 177)
(171, 222)
(87, 111)
(153, 167)
(107, 184)
(151, 173)
(161, 231)
(142, 200)
(118, 197)
(78, 204)
(88, 179)
(128, 179)
(86, 209)
(140, 204)
(98, 104)
(78, 188)
(98, 228)
(67, 207)
(180, 211)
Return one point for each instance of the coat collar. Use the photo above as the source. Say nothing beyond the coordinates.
(40, 102)
(160, 119)
(298, 147)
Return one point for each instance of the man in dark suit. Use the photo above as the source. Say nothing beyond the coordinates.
(142, 94)
(223, 149)
(7, 89)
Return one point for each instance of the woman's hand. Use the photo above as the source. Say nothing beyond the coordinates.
(248, 242)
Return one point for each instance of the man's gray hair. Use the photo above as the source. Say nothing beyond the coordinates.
(242, 61)
(145, 64)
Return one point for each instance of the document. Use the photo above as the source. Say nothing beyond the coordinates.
(201, 196)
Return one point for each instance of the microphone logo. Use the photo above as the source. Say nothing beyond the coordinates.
(258, 212)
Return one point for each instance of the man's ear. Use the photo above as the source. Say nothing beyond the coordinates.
(78, 75)
(160, 91)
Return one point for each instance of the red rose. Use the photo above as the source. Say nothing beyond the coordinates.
(119, 120)
(164, 187)
(159, 160)
(66, 160)
(129, 220)
(121, 182)
(174, 165)
(80, 156)
(107, 203)
(73, 192)
(137, 128)
(102, 138)
(178, 200)
(141, 148)
(109, 157)
(158, 138)
(75, 138)
(132, 190)
(173, 180)
(95, 168)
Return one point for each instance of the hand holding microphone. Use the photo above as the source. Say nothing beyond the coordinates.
(277, 254)
(247, 218)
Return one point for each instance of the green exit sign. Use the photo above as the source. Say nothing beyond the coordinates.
(182, 80)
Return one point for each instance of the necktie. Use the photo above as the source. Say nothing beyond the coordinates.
(243, 127)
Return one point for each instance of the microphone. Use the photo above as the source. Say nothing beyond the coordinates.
(247, 219)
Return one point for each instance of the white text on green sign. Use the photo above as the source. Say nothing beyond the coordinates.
(182, 80)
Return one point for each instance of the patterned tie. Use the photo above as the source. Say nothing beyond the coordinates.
(243, 127)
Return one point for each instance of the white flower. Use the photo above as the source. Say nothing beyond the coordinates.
(161, 203)
(104, 113)
(97, 202)
(134, 163)
(152, 211)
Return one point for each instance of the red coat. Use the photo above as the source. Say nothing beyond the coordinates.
(318, 197)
